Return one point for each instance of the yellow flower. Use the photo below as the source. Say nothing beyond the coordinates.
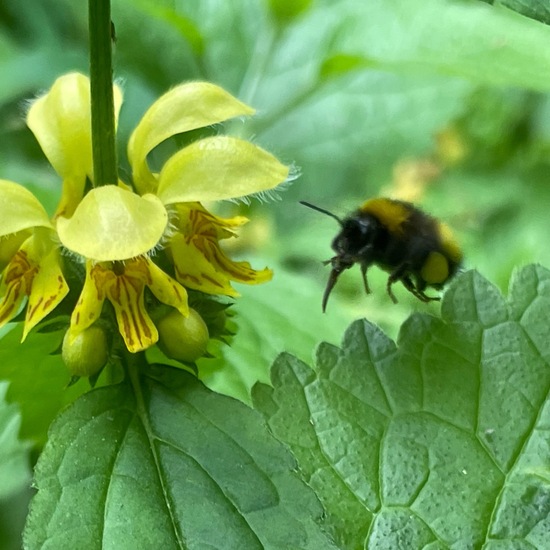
(123, 284)
(115, 229)
(207, 170)
(29, 255)
(199, 261)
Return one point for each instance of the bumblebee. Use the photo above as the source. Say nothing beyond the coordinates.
(413, 247)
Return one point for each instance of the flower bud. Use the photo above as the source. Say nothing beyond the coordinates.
(183, 338)
(86, 353)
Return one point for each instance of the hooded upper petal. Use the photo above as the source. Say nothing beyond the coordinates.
(112, 223)
(61, 122)
(219, 168)
(19, 209)
(187, 107)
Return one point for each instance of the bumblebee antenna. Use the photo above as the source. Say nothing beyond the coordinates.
(322, 210)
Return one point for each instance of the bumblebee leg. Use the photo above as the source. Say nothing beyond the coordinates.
(410, 286)
(417, 290)
(395, 276)
(364, 268)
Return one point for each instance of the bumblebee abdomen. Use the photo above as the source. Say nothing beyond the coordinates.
(449, 245)
(436, 269)
(413, 239)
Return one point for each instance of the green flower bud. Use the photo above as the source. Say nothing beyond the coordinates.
(86, 353)
(183, 338)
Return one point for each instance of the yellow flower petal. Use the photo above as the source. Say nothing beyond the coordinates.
(48, 290)
(218, 168)
(123, 284)
(10, 245)
(61, 122)
(71, 194)
(194, 218)
(187, 107)
(113, 224)
(19, 209)
(195, 271)
(167, 290)
(15, 285)
(89, 305)
(200, 264)
(34, 271)
(126, 292)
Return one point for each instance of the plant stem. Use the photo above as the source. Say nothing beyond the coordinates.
(101, 87)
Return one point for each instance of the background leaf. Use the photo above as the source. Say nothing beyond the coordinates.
(178, 468)
(536, 9)
(15, 474)
(357, 95)
(483, 43)
(38, 380)
(441, 440)
(14, 469)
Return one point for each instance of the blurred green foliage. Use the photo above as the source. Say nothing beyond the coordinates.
(347, 93)
(444, 103)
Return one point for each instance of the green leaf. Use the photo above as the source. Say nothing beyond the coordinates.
(285, 10)
(143, 466)
(473, 40)
(536, 9)
(441, 441)
(14, 454)
(186, 28)
(38, 380)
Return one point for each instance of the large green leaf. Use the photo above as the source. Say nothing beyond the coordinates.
(441, 441)
(142, 466)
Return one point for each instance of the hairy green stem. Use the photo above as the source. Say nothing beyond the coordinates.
(101, 78)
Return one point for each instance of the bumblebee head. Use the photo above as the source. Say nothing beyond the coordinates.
(353, 244)
(356, 238)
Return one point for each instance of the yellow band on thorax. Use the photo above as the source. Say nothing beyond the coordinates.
(392, 214)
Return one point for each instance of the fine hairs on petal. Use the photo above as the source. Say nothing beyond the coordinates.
(169, 232)
(120, 81)
(74, 257)
(27, 103)
(271, 195)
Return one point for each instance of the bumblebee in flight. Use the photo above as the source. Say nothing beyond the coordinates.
(413, 247)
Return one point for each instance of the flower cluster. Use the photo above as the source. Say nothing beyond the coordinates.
(114, 229)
